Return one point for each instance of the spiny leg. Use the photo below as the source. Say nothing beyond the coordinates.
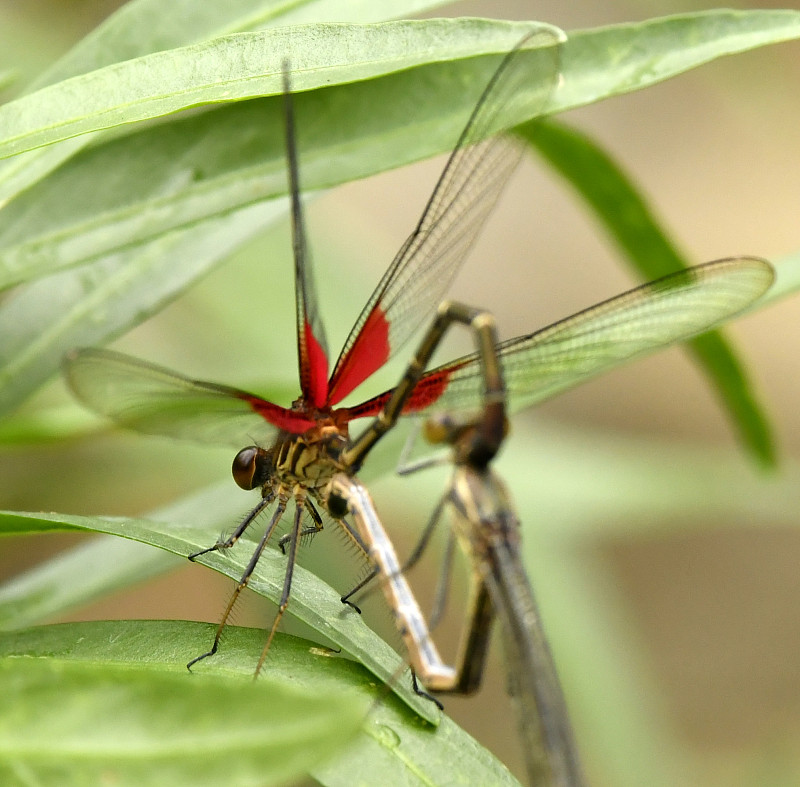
(237, 534)
(345, 599)
(242, 584)
(359, 542)
(306, 531)
(300, 504)
(339, 514)
(411, 561)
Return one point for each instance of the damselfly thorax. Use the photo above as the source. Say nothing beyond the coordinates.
(307, 461)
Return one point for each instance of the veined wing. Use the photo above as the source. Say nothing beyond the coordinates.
(150, 399)
(465, 193)
(312, 350)
(650, 317)
(542, 715)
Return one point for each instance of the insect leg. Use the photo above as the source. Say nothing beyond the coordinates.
(242, 584)
(237, 534)
(300, 505)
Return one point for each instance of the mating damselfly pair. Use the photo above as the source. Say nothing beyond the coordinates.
(305, 455)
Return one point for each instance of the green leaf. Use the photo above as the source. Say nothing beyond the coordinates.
(313, 601)
(86, 703)
(44, 320)
(241, 66)
(120, 204)
(248, 65)
(624, 214)
(168, 177)
(120, 683)
(595, 64)
(146, 26)
(604, 62)
(142, 27)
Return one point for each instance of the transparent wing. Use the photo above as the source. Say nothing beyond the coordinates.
(154, 400)
(312, 349)
(542, 716)
(462, 199)
(544, 363)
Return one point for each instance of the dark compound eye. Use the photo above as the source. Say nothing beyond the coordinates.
(251, 467)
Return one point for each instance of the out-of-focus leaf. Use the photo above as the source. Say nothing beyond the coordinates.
(276, 730)
(312, 601)
(624, 214)
(89, 703)
(92, 304)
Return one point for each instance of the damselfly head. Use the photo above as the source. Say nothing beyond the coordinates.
(447, 428)
(252, 467)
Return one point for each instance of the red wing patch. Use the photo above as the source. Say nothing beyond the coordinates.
(284, 419)
(369, 352)
(426, 393)
(318, 369)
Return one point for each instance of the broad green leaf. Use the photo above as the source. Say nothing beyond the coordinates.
(223, 714)
(313, 601)
(86, 703)
(171, 176)
(145, 26)
(248, 65)
(623, 212)
(241, 66)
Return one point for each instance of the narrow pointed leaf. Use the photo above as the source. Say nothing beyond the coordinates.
(312, 601)
(235, 67)
(240, 66)
(627, 218)
(142, 27)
